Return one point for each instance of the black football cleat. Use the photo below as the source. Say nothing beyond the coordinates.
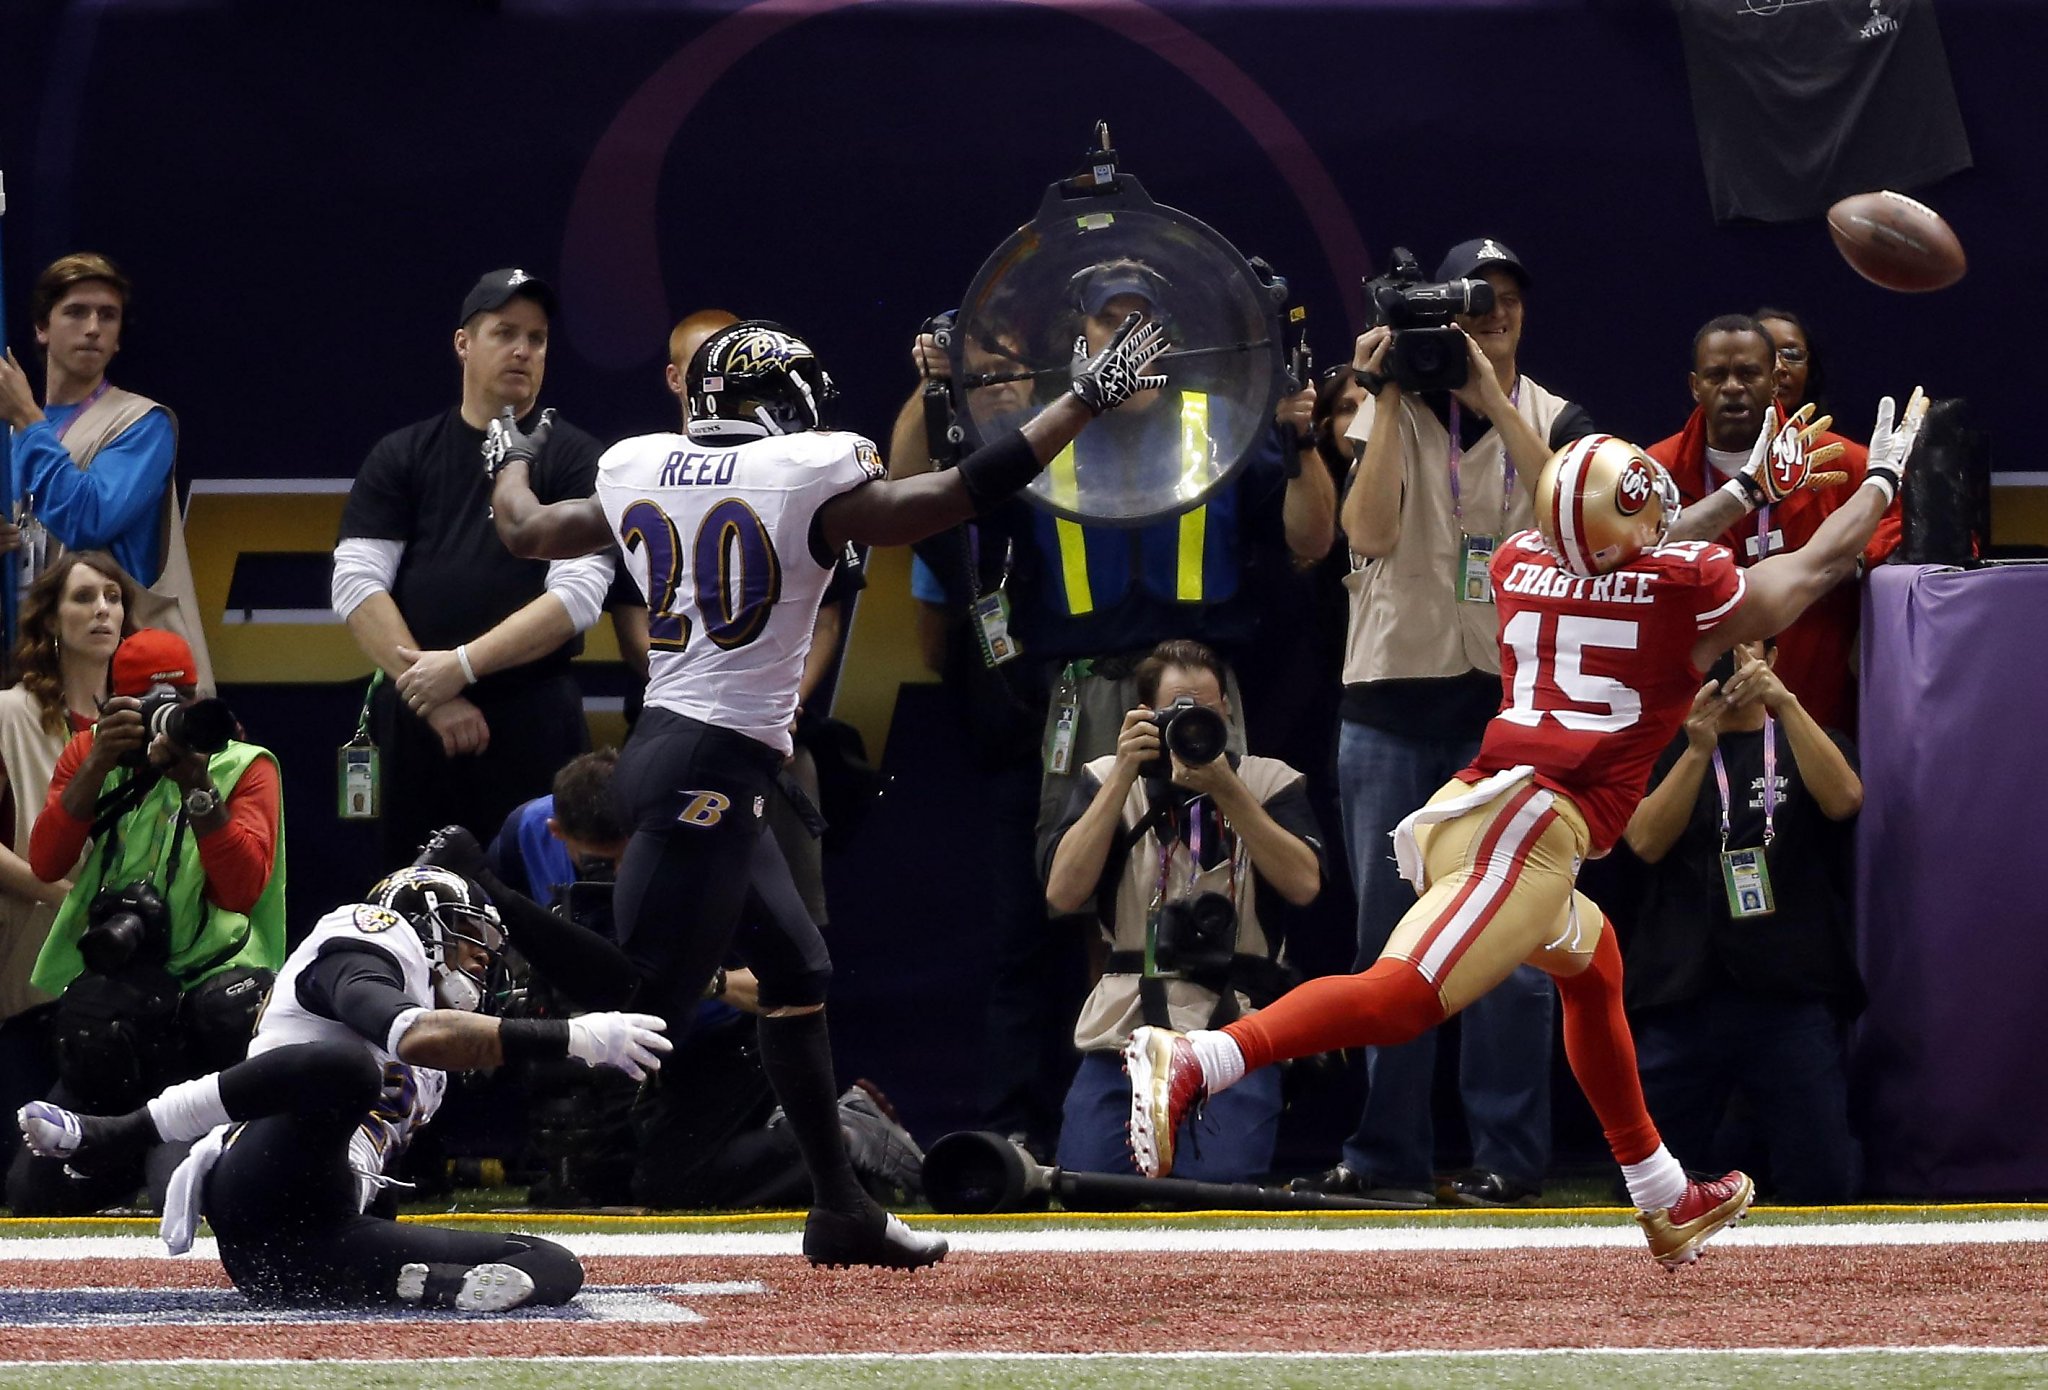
(838, 1239)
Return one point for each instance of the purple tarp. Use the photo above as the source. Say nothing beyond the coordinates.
(1952, 893)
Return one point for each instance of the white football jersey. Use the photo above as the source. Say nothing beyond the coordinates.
(719, 539)
(411, 1094)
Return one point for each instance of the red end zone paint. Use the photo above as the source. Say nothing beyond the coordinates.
(1785, 1296)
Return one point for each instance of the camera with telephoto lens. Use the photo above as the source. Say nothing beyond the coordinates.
(124, 925)
(202, 726)
(1199, 933)
(1193, 733)
(1428, 352)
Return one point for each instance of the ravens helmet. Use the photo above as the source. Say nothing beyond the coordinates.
(1601, 501)
(444, 907)
(753, 379)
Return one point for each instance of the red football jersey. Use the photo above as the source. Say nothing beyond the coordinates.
(1597, 674)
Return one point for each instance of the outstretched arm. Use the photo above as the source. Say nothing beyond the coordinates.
(537, 530)
(909, 509)
(1782, 587)
(905, 509)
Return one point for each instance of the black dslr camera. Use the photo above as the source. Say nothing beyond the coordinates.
(204, 726)
(1428, 351)
(1193, 733)
(124, 925)
(1197, 934)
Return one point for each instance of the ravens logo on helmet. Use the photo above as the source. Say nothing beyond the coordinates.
(753, 379)
(457, 925)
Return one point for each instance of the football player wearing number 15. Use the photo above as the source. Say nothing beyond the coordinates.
(732, 532)
(1606, 624)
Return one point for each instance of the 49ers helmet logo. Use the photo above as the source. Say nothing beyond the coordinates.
(1633, 488)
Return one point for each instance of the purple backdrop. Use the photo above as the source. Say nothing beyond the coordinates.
(1952, 923)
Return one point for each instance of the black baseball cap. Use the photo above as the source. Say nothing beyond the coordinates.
(1468, 258)
(1098, 284)
(500, 287)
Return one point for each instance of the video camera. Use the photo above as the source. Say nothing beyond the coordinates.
(1428, 352)
(1193, 733)
(203, 726)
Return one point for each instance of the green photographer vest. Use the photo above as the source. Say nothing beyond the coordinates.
(205, 939)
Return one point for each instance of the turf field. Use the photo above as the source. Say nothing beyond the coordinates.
(1841, 1297)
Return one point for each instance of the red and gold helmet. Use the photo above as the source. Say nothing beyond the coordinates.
(1593, 498)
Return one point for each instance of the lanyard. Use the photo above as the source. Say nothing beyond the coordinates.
(1770, 786)
(83, 406)
(1169, 840)
(1507, 466)
(1714, 480)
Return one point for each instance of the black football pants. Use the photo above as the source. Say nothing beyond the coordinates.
(282, 1199)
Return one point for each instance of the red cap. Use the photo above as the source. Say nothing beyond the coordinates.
(152, 657)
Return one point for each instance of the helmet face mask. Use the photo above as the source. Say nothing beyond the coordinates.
(1595, 501)
(753, 379)
(445, 909)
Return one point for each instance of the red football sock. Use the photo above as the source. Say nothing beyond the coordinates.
(1603, 1054)
(1388, 1004)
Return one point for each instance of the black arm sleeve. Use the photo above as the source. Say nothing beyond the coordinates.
(593, 972)
(357, 985)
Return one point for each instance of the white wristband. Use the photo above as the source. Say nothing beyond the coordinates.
(1740, 493)
(1883, 483)
(462, 660)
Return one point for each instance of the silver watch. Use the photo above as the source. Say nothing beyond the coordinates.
(201, 802)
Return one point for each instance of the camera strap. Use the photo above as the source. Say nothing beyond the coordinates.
(1232, 847)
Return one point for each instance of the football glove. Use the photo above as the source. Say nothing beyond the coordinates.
(1889, 447)
(505, 443)
(453, 848)
(1784, 458)
(633, 1043)
(1112, 376)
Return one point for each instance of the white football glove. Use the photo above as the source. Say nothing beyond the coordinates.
(633, 1043)
(1889, 448)
(1783, 460)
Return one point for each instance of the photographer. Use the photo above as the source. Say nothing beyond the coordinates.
(1445, 475)
(164, 948)
(1741, 974)
(1177, 842)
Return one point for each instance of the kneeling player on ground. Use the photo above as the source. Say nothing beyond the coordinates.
(350, 1056)
(1605, 628)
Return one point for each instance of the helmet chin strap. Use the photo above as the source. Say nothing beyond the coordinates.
(455, 990)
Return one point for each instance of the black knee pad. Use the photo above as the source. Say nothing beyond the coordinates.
(342, 1075)
(804, 988)
(556, 1273)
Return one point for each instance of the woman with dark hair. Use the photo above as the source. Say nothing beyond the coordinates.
(72, 618)
(1801, 377)
(1814, 653)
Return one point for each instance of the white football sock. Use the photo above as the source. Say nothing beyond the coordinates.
(189, 1110)
(1655, 1183)
(1221, 1058)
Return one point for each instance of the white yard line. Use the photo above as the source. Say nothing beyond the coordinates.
(891, 1357)
(1609, 1234)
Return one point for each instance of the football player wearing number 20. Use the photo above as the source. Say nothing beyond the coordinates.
(732, 531)
(1606, 624)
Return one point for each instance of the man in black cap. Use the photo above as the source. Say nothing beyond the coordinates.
(479, 709)
(1444, 479)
